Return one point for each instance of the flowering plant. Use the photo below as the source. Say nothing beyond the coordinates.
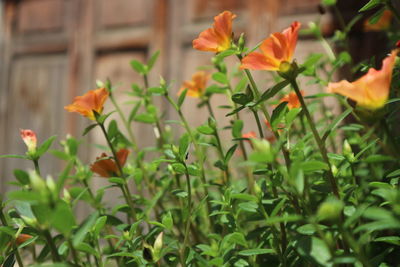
(306, 187)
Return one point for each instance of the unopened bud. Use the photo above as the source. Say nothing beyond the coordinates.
(30, 140)
(330, 210)
(37, 183)
(241, 42)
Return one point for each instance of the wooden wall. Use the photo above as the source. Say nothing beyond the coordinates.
(53, 50)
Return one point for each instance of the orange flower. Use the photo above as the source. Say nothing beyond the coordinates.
(218, 38)
(278, 48)
(89, 102)
(197, 86)
(371, 91)
(29, 138)
(108, 167)
(249, 135)
(382, 24)
(292, 99)
(22, 238)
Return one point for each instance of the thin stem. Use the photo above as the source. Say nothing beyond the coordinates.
(199, 155)
(53, 249)
(189, 207)
(124, 188)
(219, 144)
(36, 163)
(73, 252)
(320, 143)
(260, 130)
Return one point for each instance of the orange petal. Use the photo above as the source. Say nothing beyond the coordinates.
(291, 34)
(122, 155)
(258, 61)
(92, 100)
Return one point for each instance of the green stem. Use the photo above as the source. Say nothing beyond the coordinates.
(53, 249)
(320, 143)
(260, 130)
(198, 152)
(36, 163)
(73, 252)
(189, 207)
(124, 188)
(219, 144)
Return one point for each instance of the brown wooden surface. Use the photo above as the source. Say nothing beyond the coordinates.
(53, 50)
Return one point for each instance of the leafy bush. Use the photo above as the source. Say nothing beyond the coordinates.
(300, 192)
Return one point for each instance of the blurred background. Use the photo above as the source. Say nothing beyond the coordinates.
(54, 50)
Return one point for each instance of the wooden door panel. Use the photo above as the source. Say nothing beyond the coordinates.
(36, 99)
(40, 15)
(122, 13)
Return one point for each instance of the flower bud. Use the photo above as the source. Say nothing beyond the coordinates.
(30, 140)
(158, 243)
(37, 183)
(67, 196)
(347, 151)
(241, 42)
(51, 185)
(330, 210)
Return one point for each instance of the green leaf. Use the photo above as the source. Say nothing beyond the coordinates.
(152, 60)
(84, 247)
(278, 114)
(313, 248)
(64, 175)
(157, 90)
(226, 53)
(89, 128)
(145, 118)
(62, 218)
(376, 17)
(237, 128)
(230, 153)
(184, 143)
(243, 196)
(167, 220)
(138, 67)
(28, 196)
(179, 168)
(205, 129)
(99, 225)
(14, 156)
(112, 129)
(271, 92)
(370, 5)
(220, 77)
(256, 251)
(329, 2)
(314, 165)
(84, 228)
(378, 159)
(22, 176)
(335, 123)
(242, 99)
(395, 173)
(291, 115)
(116, 180)
(134, 111)
(45, 146)
(236, 238)
(182, 97)
(249, 206)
